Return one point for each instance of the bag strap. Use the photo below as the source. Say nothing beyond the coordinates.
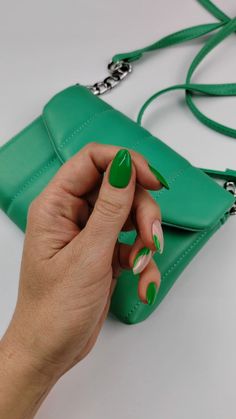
(183, 35)
(224, 28)
(175, 38)
(120, 67)
(227, 89)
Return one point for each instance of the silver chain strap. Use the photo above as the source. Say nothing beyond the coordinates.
(231, 187)
(118, 71)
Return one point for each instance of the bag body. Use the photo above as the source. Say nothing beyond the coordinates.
(192, 209)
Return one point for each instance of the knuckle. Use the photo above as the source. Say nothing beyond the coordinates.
(90, 146)
(42, 208)
(109, 209)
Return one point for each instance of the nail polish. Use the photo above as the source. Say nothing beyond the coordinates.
(121, 169)
(141, 260)
(159, 176)
(151, 293)
(157, 235)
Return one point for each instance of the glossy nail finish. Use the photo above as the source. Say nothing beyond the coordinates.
(159, 176)
(141, 260)
(151, 293)
(157, 235)
(121, 169)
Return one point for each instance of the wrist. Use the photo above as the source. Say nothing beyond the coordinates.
(24, 381)
(20, 351)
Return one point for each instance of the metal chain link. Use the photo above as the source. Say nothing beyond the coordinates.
(231, 187)
(118, 71)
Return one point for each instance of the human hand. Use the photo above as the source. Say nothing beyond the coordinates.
(71, 255)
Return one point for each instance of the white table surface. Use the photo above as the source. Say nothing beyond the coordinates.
(181, 362)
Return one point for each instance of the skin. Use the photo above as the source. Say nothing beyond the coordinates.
(71, 259)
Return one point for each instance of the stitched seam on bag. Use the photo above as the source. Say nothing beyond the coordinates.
(78, 129)
(47, 166)
(147, 134)
(33, 178)
(172, 267)
(84, 125)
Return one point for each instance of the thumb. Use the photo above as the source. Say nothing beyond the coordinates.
(113, 204)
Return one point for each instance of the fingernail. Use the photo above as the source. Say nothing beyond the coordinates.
(159, 176)
(151, 293)
(121, 168)
(157, 235)
(141, 260)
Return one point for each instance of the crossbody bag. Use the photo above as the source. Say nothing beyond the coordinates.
(194, 207)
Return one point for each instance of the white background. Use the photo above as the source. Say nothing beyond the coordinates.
(180, 363)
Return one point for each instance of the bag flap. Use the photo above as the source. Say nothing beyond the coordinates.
(76, 117)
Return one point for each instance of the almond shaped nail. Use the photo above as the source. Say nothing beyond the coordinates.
(159, 177)
(151, 293)
(157, 234)
(141, 260)
(121, 169)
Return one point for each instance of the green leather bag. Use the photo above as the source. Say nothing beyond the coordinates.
(193, 208)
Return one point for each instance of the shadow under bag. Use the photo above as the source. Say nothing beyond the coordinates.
(193, 208)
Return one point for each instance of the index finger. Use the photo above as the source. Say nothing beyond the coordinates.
(83, 171)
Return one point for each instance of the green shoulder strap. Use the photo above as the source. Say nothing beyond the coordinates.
(223, 29)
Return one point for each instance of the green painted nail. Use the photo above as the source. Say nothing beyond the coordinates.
(151, 293)
(159, 176)
(141, 260)
(142, 252)
(121, 169)
(157, 243)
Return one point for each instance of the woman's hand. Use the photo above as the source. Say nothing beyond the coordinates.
(71, 259)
